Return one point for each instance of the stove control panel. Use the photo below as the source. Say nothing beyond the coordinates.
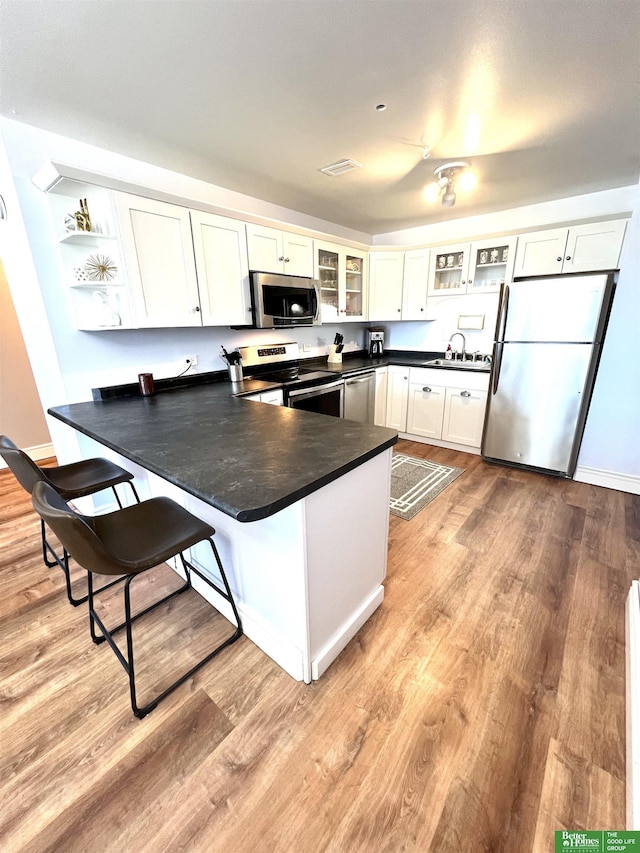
(261, 355)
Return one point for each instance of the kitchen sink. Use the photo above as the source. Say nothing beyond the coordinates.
(457, 365)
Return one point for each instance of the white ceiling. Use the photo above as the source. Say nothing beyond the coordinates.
(541, 96)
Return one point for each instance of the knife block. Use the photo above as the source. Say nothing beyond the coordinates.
(334, 356)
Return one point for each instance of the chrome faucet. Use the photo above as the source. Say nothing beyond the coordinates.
(464, 344)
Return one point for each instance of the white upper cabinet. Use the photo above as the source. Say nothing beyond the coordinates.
(582, 248)
(341, 272)
(158, 250)
(276, 251)
(414, 284)
(185, 268)
(386, 272)
(222, 269)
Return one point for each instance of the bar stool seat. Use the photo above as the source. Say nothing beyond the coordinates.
(129, 542)
(79, 479)
(75, 480)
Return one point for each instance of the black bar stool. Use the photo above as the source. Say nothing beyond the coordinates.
(70, 481)
(128, 542)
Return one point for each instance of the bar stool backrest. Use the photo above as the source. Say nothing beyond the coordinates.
(25, 470)
(74, 532)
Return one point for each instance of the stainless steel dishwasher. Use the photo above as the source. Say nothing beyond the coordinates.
(360, 397)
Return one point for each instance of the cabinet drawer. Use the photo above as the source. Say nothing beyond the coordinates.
(450, 378)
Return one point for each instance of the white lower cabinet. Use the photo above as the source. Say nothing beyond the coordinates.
(382, 376)
(397, 396)
(274, 398)
(447, 406)
(425, 409)
(464, 416)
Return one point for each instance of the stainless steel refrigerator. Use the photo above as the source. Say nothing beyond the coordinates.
(546, 351)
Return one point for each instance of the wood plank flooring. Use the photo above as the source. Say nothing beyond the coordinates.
(479, 709)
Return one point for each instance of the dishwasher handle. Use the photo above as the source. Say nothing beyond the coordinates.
(365, 377)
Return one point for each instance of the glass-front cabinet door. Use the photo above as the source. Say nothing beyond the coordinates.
(448, 270)
(491, 264)
(480, 267)
(341, 272)
(327, 274)
(354, 285)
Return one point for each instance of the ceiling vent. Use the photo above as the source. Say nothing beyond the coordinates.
(341, 167)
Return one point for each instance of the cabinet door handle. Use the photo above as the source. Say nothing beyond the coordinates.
(286, 260)
(281, 258)
(558, 259)
(399, 309)
(427, 389)
(422, 309)
(465, 393)
(568, 258)
(197, 309)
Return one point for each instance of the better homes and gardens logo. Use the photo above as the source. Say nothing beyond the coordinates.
(607, 841)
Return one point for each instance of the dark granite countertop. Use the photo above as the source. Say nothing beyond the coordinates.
(246, 459)
(354, 364)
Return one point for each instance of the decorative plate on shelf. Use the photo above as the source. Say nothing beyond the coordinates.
(100, 268)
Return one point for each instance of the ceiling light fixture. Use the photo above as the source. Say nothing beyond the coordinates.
(444, 183)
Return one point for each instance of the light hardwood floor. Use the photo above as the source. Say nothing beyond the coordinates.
(479, 709)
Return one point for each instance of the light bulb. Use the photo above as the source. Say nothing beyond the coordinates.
(467, 180)
(431, 192)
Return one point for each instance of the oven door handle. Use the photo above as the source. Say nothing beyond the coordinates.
(317, 388)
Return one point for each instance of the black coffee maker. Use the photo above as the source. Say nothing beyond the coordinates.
(375, 343)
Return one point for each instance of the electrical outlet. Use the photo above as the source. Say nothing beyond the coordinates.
(191, 360)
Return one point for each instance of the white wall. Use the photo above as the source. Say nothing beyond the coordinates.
(612, 436)
(434, 335)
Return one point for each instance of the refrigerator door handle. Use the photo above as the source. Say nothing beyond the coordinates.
(497, 364)
(499, 344)
(504, 309)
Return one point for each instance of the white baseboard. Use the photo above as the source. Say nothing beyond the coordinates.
(437, 442)
(40, 451)
(608, 479)
(331, 651)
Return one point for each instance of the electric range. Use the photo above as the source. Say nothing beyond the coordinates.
(303, 388)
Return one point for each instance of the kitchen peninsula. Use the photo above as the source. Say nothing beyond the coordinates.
(299, 501)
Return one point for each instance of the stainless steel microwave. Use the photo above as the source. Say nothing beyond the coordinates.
(282, 301)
